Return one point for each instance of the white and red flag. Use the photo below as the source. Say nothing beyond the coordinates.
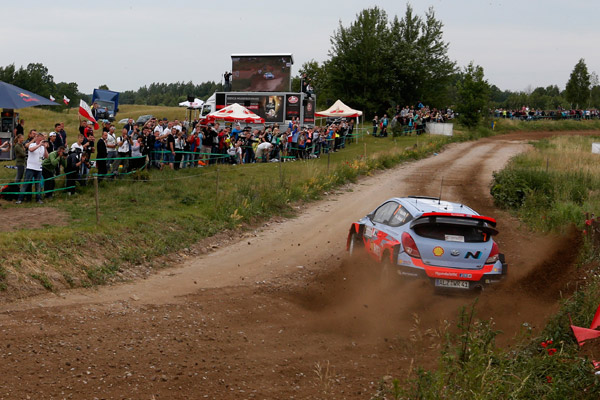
(86, 112)
(52, 98)
(66, 100)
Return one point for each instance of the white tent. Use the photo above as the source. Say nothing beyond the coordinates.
(339, 109)
(197, 103)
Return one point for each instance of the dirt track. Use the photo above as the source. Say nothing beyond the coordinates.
(279, 314)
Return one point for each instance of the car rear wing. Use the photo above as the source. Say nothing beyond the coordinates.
(480, 221)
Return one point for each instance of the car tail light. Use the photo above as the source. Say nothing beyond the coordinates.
(410, 247)
(494, 254)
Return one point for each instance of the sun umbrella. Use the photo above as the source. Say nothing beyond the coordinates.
(197, 103)
(236, 112)
(14, 97)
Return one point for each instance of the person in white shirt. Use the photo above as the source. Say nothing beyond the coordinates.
(123, 149)
(111, 147)
(37, 151)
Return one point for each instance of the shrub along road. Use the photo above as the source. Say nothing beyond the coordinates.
(281, 312)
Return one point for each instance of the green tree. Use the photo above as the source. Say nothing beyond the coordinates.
(103, 87)
(577, 91)
(420, 66)
(473, 92)
(358, 69)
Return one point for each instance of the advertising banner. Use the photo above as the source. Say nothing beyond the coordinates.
(271, 108)
(309, 112)
(292, 106)
(436, 128)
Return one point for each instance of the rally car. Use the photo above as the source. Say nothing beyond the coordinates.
(447, 243)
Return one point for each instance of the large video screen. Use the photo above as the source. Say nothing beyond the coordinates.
(261, 73)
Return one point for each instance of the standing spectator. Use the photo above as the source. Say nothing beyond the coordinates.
(384, 125)
(111, 147)
(33, 173)
(375, 124)
(123, 151)
(227, 76)
(30, 138)
(20, 128)
(130, 125)
(170, 147)
(81, 146)
(50, 168)
(63, 134)
(75, 161)
(101, 156)
(207, 142)
(53, 142)
(148, 148)
(136, 153)
(59, 139)
(179, 145)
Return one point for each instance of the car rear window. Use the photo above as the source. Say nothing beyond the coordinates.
(452, 233)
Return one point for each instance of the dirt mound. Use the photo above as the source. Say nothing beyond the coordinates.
(556, 273)
(15, 218)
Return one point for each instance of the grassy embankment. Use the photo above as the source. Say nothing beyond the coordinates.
(550, 188)
(152, 214)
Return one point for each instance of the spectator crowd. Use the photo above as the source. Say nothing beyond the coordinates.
(526, 113)
(160, 144)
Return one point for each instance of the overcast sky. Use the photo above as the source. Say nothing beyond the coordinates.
(126, 44)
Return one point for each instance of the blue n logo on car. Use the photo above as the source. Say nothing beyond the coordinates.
(475, 255)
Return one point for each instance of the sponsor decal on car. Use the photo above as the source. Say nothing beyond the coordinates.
(455, 253)
(438, 251)
(375, 249)
(468, 276)
(369, 231)
(454, 274)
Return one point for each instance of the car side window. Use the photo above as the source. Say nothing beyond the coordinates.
(400, 216)
(383, 213)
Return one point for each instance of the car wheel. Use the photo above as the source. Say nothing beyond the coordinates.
(356, 245)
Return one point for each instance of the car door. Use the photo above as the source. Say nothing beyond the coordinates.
(377, 232)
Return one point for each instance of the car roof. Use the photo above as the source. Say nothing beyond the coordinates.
(418, 205)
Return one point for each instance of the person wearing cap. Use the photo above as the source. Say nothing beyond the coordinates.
(37, 151)
(53, 143)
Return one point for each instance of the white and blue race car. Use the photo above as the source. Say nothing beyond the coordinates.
(447, 243)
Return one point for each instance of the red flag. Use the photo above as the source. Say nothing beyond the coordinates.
(66, 100)
(86, 112)
(52, 98)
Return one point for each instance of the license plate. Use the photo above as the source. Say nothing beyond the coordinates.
(452, 284)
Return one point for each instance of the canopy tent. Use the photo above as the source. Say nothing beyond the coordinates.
(235, 112)
(197, 103)
(14, 97)
(339, 109)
